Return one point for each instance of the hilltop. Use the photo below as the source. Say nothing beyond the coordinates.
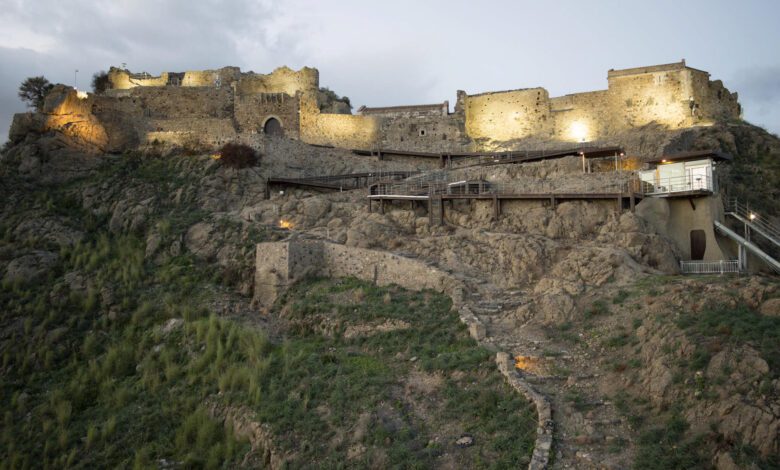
(146, 305)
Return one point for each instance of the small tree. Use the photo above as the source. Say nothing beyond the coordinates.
(100, 82)
(33, 91)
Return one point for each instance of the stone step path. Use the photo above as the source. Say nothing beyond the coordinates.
(589, 433)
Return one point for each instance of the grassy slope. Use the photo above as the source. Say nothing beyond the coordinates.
(92, 379)
(345, 376)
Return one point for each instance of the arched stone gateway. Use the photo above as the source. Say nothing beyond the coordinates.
(273, 127)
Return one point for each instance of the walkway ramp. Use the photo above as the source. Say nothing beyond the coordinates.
(750, 246)
(343, 182)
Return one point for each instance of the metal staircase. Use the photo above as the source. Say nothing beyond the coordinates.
(748, 245)
(754, 221)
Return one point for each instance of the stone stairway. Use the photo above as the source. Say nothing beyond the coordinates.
(589, 432)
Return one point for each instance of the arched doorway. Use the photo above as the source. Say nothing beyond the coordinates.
(273, 127)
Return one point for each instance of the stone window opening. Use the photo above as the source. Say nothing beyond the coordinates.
(422, 132)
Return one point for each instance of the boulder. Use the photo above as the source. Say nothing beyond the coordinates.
(200, 240)
(771, 307)
(24, 124)
(654, 211)
(314, 209)
(30, 267)
(48, 229)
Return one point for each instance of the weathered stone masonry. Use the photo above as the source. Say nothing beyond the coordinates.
(213, 107)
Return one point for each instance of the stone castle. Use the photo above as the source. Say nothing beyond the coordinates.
(213, 107)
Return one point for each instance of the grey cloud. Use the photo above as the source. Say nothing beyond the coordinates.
(759, 93)
(148, 35)
(377, 53)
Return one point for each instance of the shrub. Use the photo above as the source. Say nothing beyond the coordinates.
(667, 447)
(238, 155)
(100, 82)
(597, 308)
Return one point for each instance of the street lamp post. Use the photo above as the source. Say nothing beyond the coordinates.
(76, 79)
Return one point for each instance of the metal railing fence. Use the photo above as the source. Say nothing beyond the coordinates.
(771, 231)
(709, 267)
(679, 184)
(439, 184)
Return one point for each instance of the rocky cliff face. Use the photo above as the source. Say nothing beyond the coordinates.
(577, 286)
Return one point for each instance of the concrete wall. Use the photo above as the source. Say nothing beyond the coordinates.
(676, 218)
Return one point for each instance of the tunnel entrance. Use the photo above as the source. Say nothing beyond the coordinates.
(273, 127)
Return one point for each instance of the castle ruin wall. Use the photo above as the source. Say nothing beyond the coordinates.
(580, 117)
(140, 108)
(196, 132)
(424, 133)
(339, 130)
(281, 80)
(252, 111)
(507, 115)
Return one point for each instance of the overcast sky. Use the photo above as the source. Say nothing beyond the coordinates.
(391, 52)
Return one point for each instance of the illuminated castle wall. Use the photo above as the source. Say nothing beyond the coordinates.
(673, 95)
(213, 107)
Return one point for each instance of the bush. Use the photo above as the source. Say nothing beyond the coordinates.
(238, 156)
(100, 82)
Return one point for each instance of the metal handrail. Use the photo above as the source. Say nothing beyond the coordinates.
(677, 184)
(750, 246)
(443, 186)
(351, 180)
(752, 218)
